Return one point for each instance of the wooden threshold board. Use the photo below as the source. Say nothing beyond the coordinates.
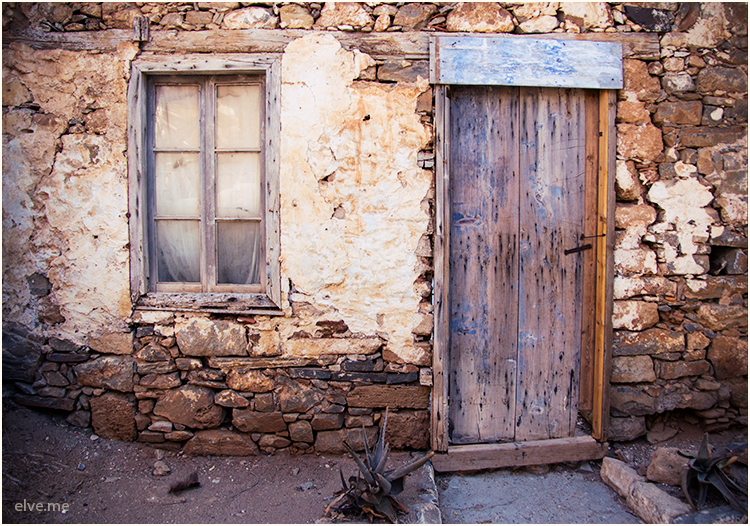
(513, 454)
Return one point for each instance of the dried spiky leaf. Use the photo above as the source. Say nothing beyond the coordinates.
(384, 458)
(365, 472)
(408, 468)
(381, 439)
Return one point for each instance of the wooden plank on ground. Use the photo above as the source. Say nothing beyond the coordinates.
(514, 454)
(483, 263)
(526, 62)
(589, 266)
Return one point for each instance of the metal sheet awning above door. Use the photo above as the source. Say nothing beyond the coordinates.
(521, 61)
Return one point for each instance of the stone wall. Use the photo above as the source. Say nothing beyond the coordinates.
(357, 206)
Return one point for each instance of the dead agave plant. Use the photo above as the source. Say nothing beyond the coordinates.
(705, 471)
(373, 489)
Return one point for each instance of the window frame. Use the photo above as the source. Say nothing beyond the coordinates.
(240, 299)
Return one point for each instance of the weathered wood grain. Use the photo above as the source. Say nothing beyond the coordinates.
(439, 405)
(537, 452)
(589, 258)
(552, 152)
(526, 62)
(604, 263)
(483, 262)
(411, 45)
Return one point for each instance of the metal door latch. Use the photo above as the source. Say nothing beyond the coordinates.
(587, 246)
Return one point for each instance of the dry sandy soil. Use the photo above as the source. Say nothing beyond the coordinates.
(47, 461)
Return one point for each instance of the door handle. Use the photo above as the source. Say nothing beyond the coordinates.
(587, 246)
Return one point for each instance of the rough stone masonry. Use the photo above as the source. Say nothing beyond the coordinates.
(357, 200)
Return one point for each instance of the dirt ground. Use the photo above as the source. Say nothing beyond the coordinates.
(47, 461)
(80, 478)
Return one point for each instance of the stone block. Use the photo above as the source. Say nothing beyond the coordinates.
(113, 343)
(637, 79)
(728, 356)
(113, 417)
(295, 16)
(626, 429)
(632, 369)
(343, 14)
(297, 398)
(179, 436)
(229, 398)
(712, 79)
(633, 112)
(257, 422)
(273, 441)
(156, 367)
(681, 112)
(250, 18)
(677, 83)
(191, 406)
(188, 364)
(482, 17)
(706, 136)
(673, 370)
(396, 397)
(639, 141)
(109, 372)
(151, 437)
(628, 216)
(653, 505)
(79, 418)
(161, 381)
(264, 403)
(327, 421)
(204, 337)
(627, 400)
(715, 287)
(249, 381)
(62, 404)
(627, 181)
(651, 341)
(667, 466)
(152, 317)
(330, 346)
(153, 352)
(414, 16)
(220, 442)
(697, 341)
(408, 430)
(21, 357)
(738, 388)
(332, 442)
(301, 431)
(634, 315)
(720, 317)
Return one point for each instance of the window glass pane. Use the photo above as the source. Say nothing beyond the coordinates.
(239, 252)
(177, 117)
(177, 184)
(238, 116)
(237, 185)
(178, 251)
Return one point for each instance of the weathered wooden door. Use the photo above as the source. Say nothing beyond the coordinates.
(521, 261)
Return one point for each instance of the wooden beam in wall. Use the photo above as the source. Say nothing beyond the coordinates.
(409, 45)
(515, 454)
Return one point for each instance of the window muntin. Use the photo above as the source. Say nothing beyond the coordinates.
(205, 148)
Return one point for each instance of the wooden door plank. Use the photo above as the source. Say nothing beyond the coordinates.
(604, 263)
(589, 265)
(552, 199)
(535, 452)
(483, 263)
(439, 407)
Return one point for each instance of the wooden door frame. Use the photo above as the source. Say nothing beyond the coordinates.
(485, 456)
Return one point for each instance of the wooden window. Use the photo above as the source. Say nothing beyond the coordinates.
(203, 151)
